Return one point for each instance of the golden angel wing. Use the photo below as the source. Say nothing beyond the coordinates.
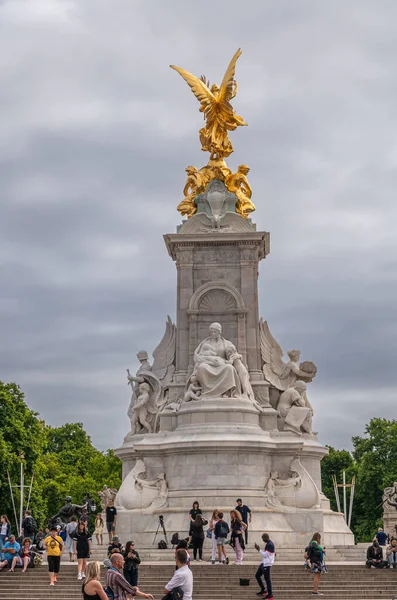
(199, 89)
(227, 91)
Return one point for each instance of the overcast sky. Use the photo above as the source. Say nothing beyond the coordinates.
(96, 132)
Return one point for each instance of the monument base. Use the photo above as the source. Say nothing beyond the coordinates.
(217, 450)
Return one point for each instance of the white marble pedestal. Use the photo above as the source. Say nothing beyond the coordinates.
(214, 451)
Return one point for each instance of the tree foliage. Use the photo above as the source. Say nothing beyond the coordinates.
(62, 460)
(375, 456)
(374, 463)
(334, 463)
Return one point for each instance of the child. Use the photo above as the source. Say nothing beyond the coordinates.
(221, 532)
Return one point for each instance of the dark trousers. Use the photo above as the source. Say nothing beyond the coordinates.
(264, 572)
(53, 563)
(246, 534)
(377, 564)
(197, 545)
(131, 576)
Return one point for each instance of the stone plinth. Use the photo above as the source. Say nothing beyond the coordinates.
(217, 280)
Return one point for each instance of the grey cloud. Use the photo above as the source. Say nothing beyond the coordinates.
(96, 133)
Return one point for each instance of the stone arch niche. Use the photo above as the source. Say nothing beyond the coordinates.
(221, 302)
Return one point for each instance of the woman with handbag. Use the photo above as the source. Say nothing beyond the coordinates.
(132, 560)
(237, 527)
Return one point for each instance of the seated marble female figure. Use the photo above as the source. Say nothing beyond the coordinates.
(220, 372)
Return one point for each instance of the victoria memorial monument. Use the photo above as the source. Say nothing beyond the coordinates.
(219, 413)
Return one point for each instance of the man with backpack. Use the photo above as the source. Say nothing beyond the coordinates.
(221, 532)
(28, 525)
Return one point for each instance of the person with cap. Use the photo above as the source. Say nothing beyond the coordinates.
(54, 545)
(244, 511)
(10, 551)
(114, 547)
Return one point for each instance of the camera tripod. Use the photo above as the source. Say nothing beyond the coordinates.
(161, 524)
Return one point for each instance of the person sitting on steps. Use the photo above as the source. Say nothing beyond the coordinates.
(391, 553)
(375, 556)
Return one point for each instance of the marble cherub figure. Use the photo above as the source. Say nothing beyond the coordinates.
(295, 409)
(141, 410)
(193, 392)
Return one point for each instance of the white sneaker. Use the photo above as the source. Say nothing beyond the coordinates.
(83, 575)
(79, 577)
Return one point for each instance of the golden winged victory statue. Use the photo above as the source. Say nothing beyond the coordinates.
(220, 118)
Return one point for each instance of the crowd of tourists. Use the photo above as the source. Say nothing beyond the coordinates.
(218, 531)
(227, 535)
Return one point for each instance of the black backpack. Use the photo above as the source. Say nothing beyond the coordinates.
(314, 553)
(31, 524)
(223, 529)
(175, 539)
(162, 545)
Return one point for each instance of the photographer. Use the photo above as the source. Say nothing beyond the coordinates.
(197, 529)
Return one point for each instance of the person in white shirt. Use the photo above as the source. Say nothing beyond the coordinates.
(183, 576)
(268, 555)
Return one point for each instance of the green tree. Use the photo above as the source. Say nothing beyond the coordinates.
(335, 463)
(21, 439)
(62, 459)
(376, 459)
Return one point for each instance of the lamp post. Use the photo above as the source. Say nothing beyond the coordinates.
(22, 457)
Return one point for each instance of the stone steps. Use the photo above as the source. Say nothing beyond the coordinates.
(218, 582)
(152, 553)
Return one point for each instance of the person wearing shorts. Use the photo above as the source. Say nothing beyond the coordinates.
(54, 546)
(25, 557)
(10, 551)
(111, 518)
(221, 532)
